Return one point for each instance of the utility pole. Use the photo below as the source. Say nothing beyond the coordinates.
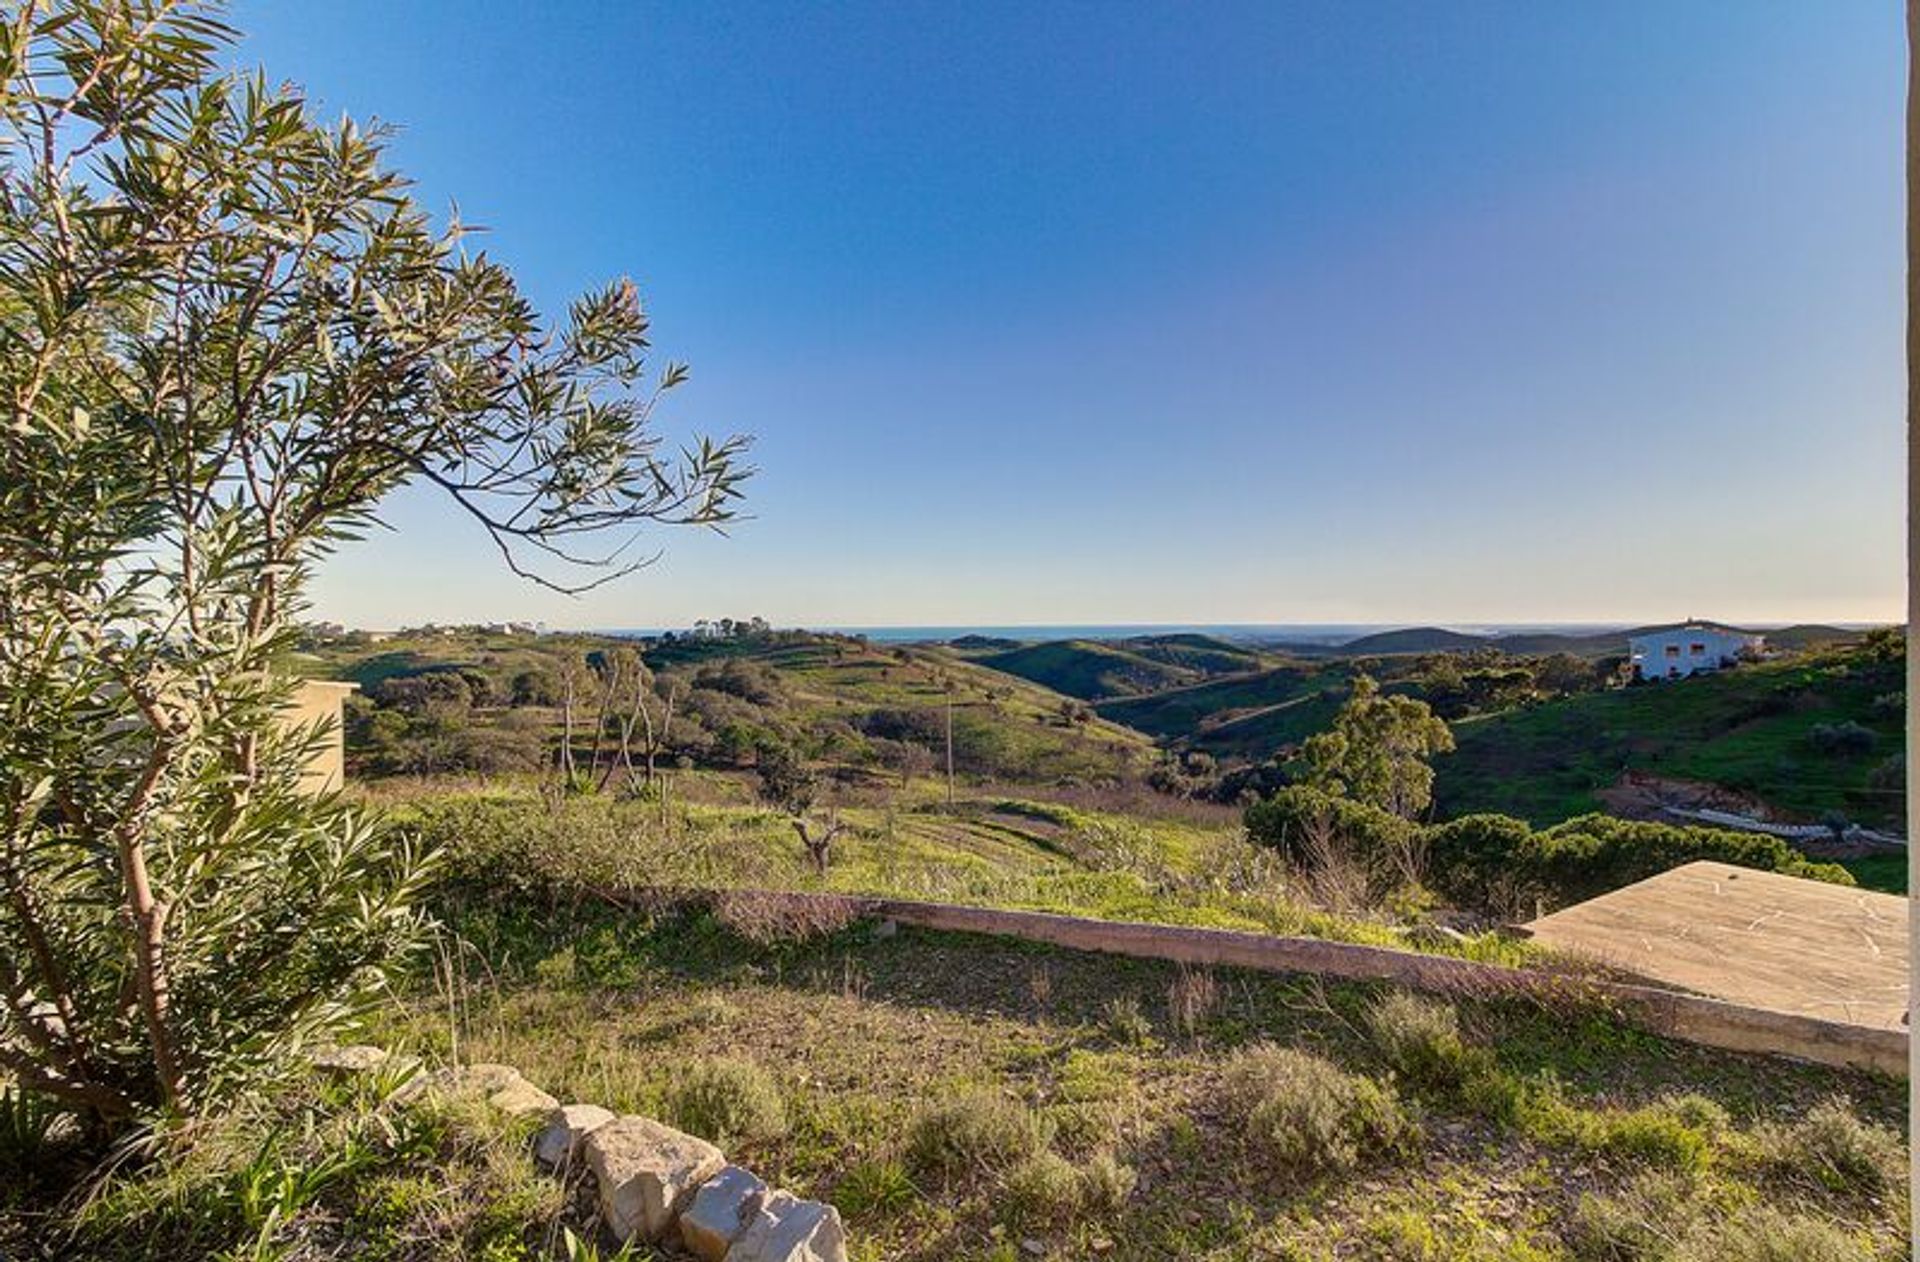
(949, 744)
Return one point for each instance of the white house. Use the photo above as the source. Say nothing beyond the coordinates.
(1689, 649)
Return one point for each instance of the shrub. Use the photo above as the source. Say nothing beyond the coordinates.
(1043, 1190)
(1833, 1148)
(874, 1187)
(1105, 1184)
(1303, 1115)
(1499, 864)
(1640, 1222)
(977, 1130)
(728, 1101)
(765, 917)
(1841, 740)
(1760, 1233)
(1374, 838)
(1420, 1039)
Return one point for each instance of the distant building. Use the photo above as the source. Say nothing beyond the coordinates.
(318, 701)
(1690, 648)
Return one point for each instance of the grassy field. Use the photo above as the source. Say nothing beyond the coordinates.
(1750, 730)
(968, 1100)
(1132, 858)
(1105, 1116)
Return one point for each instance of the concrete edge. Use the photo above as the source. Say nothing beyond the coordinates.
(1691, 1018)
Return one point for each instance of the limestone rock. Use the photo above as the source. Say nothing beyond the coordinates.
(502, 1086)
(788, 1229)
(357, 1058)
(720, 1212)
(566, 1129)
(648, 1174)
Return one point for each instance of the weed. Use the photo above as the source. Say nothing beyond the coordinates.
(1126, 1024)
(1106, 1183)
(1192, 997)
(1420, 1039)
(1760, 1233)
(977, 1130)
(728, 1102)
(874, 1188)
(1044, 1190)
(1304, 1115)
(1833, 1148)
(1642, 1221)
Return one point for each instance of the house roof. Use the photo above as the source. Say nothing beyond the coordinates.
(1694, 625)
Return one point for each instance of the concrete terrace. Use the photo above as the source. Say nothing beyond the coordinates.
(1756, 938)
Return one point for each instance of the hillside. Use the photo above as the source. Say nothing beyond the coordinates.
(1089, 669)
(1095, 670)
(1532, 643)
(1757, 730)
(840, 699)
(1245, 716)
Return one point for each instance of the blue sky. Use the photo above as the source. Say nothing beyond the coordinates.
(1274, 312)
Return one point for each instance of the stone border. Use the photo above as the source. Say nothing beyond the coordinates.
(1674, 1014)
(655, 1184)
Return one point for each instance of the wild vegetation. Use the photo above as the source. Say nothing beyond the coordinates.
(229, 334)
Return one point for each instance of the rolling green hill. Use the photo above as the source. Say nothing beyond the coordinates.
(1753, 730)
(840, 698)
(1095, 670)
(1089, 669)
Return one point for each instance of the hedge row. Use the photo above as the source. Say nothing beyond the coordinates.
(1503, 866)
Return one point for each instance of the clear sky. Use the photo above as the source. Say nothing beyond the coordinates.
(1266, 312)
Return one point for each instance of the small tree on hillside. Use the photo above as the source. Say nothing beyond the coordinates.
(786, 782)
(1379, 750)
(226, 335)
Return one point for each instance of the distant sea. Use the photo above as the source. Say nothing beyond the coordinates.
(1329, 633)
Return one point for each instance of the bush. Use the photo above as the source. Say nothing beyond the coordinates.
(1106, 1183)
(1367, 835)
(728, 1102)
(1639, 1223)
(1302, 1115)
(1044, 1190)
(1841, 740)
(1760, 1233)
(1501, 865)
(1420, 1039)
(976, 1130)
(1833, 1148)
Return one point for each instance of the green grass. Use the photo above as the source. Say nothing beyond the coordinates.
(991, 852)
(867, 1037)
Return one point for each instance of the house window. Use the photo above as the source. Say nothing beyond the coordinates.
(1697, 649)
(1673, 650)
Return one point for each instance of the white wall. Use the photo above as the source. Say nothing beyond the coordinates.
(1683, 651)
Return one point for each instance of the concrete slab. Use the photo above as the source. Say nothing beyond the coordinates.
(1776, 942)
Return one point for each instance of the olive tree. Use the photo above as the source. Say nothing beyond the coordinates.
(227, 333)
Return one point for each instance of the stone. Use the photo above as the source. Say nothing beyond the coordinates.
(502, 1086)
(788, 1229)
(720, 1212)
(566, 1129)
(647, 1174)
(357, 1058)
